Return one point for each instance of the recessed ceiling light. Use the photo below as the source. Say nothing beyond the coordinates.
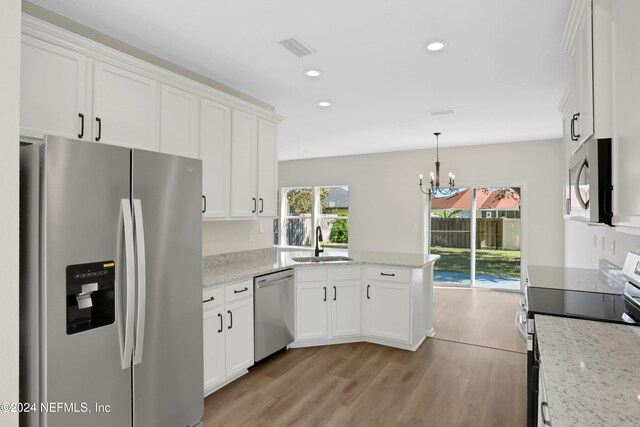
(436, 45)
(324, 103)
(313, 72)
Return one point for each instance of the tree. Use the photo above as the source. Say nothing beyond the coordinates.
(512, 193)
(299, 200)
(448, 214)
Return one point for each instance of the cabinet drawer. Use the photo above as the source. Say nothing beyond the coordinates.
(212, 298)
(344, 273)
(389, 274)
(236, 291)
(311, 274)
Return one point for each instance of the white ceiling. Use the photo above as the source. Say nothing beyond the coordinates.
(503, 71)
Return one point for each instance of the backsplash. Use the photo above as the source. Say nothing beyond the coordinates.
(242, 256)
(585, 245)
(224, 236)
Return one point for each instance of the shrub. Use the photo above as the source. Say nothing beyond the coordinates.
(339, 230)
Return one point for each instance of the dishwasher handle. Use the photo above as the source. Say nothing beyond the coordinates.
(266, 283)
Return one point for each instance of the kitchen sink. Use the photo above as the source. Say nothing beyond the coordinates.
(322, 259)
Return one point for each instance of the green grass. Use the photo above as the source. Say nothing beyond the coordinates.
(335, 245)
(491, 262)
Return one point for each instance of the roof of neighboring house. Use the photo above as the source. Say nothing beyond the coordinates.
(485, 199)
(337, 198)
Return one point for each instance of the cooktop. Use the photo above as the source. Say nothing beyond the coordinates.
(582, 305)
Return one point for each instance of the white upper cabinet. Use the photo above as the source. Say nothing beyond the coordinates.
(244, 200)
(267, 168)
(53, 95)
(125, 108)
(578, 42)
(77, 88)
(625, 65)
(215, 153)
(178, 122)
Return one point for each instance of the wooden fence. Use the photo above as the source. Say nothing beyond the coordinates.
(456, 232)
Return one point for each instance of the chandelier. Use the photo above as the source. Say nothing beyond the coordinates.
(435, 179)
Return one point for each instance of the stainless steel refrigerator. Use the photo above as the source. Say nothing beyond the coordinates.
(111, 286)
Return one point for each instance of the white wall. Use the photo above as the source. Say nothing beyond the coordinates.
(9, 131)
(220, 237)
(385, 204)
(585, 245)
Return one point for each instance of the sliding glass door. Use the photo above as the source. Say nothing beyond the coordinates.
(479, 247)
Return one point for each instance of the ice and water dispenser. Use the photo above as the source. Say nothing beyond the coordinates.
(90, 296)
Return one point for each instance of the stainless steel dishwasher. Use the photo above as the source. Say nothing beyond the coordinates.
(273, 313)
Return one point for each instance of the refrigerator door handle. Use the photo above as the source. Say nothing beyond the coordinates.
(142, 281)
(126, 336)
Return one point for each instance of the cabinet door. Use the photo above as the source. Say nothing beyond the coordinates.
(239, 336)
(267, 167)
(214, 349)
(178, 122)
(312, 310)
(244, 201)
(626, 104)
(53, 92)
(345, 308)
(215, 152)
(584, 49)
(388, 308)
(125, 108)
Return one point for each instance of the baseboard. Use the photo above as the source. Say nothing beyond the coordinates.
(217, 387)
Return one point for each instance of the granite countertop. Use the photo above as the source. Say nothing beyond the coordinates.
(590, 371)
(607, 279)
(227, 273)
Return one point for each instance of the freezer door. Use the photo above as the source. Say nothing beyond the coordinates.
(83, 275)
(168, 370)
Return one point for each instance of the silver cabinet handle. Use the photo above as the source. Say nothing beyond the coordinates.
(142, 281)
(266, 284)
(545, 421)
(126, 332)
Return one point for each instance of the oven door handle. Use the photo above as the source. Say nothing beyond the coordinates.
(521, 324)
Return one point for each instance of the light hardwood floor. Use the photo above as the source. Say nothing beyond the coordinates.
(443, 383)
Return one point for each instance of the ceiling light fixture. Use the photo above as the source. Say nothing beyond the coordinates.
(313, 72)
(435, 179)
(324, 103)
(436, 45)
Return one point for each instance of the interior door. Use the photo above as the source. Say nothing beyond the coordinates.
(168, 369)
(84, 185)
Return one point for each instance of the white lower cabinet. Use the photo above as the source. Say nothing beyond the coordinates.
(228, 333)
(312, 311)
(544, 418)
(388, 303)
(239, 336)
(327, 303)
(214, 352)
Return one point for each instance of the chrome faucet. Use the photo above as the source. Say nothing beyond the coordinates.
(318, 251)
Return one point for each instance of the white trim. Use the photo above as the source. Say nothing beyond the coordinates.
(50, 33)
(361, 338)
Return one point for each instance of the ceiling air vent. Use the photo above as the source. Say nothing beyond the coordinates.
(297, 47)
(444, 112)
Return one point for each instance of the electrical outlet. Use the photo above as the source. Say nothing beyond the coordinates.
(262, 228)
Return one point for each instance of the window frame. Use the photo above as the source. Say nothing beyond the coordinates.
(316, 212)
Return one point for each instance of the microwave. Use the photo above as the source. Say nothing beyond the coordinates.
(590, 190)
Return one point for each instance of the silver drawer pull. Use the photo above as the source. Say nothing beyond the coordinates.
(240, 291)
(209, 300)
